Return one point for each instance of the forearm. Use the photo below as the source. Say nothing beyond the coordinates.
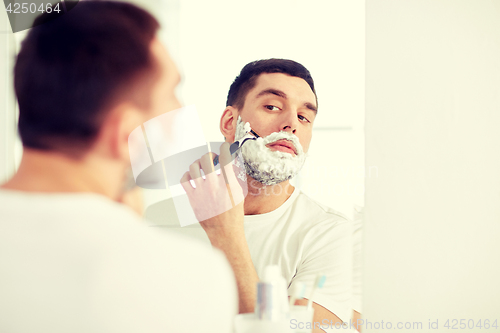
(224, 226)
(235, 247)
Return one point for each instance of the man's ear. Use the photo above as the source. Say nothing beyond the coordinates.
(228, 123)
(116, 129)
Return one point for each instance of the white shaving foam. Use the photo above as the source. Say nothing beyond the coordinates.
(268, 166)
(247, 127)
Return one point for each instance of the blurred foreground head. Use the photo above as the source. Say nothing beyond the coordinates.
(90, 76)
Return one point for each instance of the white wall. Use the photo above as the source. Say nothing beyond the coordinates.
(432, 229)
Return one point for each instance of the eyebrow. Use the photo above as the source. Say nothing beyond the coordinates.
(272, 92)
(282, 94)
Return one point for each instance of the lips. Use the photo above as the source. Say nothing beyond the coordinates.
(284, 146)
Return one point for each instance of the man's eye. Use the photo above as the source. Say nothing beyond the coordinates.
(272, 107)
(301, 117)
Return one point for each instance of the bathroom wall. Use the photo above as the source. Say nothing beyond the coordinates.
(432, 116)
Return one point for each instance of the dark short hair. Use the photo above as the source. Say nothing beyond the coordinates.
(74, 66)
(247, 78)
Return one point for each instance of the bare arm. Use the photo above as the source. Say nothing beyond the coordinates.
(233, 243)
(217, 202)
(355, 317)
(321, 316)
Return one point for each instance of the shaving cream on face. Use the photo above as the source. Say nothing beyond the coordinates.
(247, 127)
(267, 166)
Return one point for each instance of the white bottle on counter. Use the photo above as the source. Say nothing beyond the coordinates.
(272, 300)
(271, 308)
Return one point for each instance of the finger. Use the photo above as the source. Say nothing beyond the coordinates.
(239, 187)
(194, 172)
(226, 165)
(237, 190)
(207, 165)
(186, 182)
(225, 155)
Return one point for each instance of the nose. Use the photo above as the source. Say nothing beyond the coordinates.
(289, 122)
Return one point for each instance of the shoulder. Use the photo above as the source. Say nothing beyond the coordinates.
(317, 211)
(132, 272)
(136, 234)
(98, 224)
(315, 221)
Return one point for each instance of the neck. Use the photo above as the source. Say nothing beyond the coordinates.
(265, 198)
(52, 172)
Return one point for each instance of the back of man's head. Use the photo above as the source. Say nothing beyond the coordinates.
(246, 80)
(73, 68)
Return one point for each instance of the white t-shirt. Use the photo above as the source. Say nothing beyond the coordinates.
(303, 237)
(82, 263)
(306, 238)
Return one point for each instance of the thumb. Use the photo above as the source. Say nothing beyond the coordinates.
(225, 160)
(228, 170)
